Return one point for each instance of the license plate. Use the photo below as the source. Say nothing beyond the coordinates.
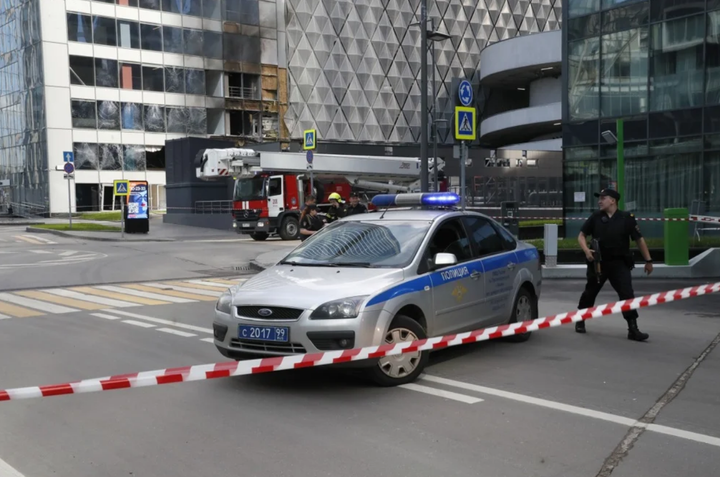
(279, 334)
(246, 225)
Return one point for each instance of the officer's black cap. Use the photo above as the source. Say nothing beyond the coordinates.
(608, 193)
(354, 194)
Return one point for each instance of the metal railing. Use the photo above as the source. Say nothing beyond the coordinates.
(213, 206)
(243, 92)
(28, 210)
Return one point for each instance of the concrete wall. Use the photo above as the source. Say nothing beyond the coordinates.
(545, 91)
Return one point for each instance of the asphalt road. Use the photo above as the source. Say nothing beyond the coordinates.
(560, 404)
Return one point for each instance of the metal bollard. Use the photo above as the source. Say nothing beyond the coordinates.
(551, 245)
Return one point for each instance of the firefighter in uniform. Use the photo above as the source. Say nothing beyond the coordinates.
(611, 259)
(355, 206)
(336, 210)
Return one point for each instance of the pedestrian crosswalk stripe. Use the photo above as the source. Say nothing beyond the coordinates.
(200, 286)
(160, 321)
(193, 291)
(38, 305)
(38, 295)
(170, 294)
(4, 317)
(176, 332)
(121, 296)
(29, 240)
(92, 299)
(18, 311)
(138, 323)
(131, 290)
(107, 317)
(224, 282)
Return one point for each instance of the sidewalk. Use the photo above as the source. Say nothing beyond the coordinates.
(159, 232)
(268, 259)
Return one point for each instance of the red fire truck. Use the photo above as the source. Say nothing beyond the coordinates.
(270, 187)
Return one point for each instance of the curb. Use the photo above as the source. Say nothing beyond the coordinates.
(60, 233)
(256, 266)
(18, 224)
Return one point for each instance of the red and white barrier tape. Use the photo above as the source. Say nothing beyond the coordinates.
(692, 218)
(267, 365)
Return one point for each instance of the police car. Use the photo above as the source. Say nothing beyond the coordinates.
(416, 268)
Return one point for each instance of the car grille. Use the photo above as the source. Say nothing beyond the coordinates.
(247, 215)
(278, 313)
(268, 346)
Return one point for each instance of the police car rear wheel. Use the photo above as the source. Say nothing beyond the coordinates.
(525, 309)
(404, 368)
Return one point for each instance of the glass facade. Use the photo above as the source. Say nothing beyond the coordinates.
(656, 65)
(23, 156)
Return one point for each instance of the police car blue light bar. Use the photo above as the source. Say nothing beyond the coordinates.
(427, 198)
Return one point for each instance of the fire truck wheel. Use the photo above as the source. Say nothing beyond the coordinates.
(260, 236)
(290, 229)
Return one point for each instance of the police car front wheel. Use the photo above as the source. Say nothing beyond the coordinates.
(525, 309)
(404, 368)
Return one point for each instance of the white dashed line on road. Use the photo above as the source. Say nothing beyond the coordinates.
(138, 323)
(176, 332)
(441, 393)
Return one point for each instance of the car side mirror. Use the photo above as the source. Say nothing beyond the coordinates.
(444, 260)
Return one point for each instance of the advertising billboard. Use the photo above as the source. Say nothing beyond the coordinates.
(137, 201)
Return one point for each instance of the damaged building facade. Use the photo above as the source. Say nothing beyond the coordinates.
(112, 80)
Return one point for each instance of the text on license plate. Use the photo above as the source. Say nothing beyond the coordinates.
(264, 333)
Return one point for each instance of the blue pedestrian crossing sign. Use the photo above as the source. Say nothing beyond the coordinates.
(121, 188)
(465, 126)
(309, 139)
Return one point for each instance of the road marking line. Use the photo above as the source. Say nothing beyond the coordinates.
(68, 253)
(220, 280)
(120, 296)
(107, 317)
(28, 240)
(190, 291)
(40, 251)
(42, 239)
(208, 340)
(603, 416)
(18, 311)
(6, 470)
(441, 393)
(138, 323)
(38, 305)
(4, 317)
(214, 285)
(160, 321)
(148, 292)
(39, 295)
(176, 332)
(531, 400)
(89, 298)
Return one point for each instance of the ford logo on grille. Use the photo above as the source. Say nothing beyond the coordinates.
(264, 312)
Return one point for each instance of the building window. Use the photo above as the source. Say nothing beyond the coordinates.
(110, 157)
(154, 118)
(212, 45)
(197, 121)
(79, 27)
(86, 156)
(174, 80)
(246, 12)
(195, 82)
(685, 122)
(106, 73)
(193, 41)
(132, 116)
(243, 86)
(176, 120)
(711, 174)
(186, 7)
(128, 34)
(150, 4)
(130, 76)
(84, 114)
(578, 8)
(153, 79)
(584, 78)
(151, 37)
(712, 58)
(270, 127)
(667, 9)
(108, 115)
(82, 70)
(104, 31)
(623, 88)
(173, 40)
(134, 158)
(677, 75)
(212, 9)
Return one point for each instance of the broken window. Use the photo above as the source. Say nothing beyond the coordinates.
(186, 7)
(193, 41)
(110, 157)
(270, 126)
(132, 116)
(108, 115)
(155, 157)
(242, 11)
(154, 118)
(82, 71)
(83, 114)
(151, 37)
(244, 123)
(243, 85)
(106, 73)
(197, 121)
(153, 78)
(212, 44)
(174, 80)
(212, 9)
(134, 158)
(79, 27)
(128, 34)
(86, 156)
(150, 4)
(176, 120)
(104, 31)
(173, 39)
(195, 82)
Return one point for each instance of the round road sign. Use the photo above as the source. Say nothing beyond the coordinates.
(465, 93)
(69, 168)
(309, 157)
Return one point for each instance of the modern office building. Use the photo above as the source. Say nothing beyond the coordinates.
(656, 65)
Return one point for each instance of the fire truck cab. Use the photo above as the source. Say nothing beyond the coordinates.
(270, 187)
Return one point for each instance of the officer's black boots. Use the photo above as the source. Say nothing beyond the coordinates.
(634, 333)
(580, 327)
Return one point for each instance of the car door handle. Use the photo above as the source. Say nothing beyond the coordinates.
(475, 275)
(510, 266)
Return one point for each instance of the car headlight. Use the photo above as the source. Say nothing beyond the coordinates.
(339, 309)
(224, 303)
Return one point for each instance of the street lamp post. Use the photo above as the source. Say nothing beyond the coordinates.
(619, 142)
(435, 36)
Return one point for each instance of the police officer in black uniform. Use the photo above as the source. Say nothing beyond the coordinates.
(612, 230)
(355, 206)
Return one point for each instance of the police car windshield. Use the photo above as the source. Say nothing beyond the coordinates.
(249, 189)
(385, 244)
